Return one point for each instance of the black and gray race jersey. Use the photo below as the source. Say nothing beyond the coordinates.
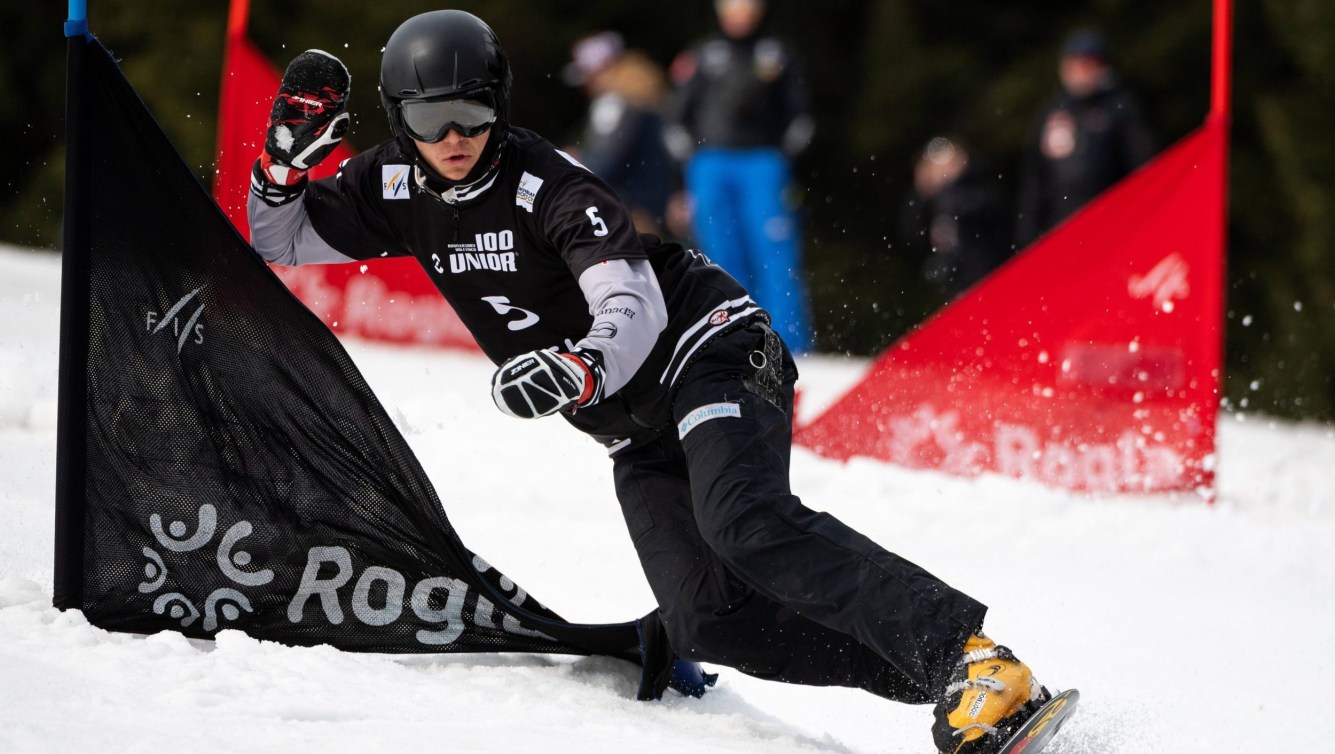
(536, 253)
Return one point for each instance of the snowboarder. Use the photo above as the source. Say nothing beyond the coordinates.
(645, 346)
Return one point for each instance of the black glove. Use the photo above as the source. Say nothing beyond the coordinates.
(540, 383)
(662, 669)
(309, 115)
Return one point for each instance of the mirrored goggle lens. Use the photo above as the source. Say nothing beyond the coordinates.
(430, 121)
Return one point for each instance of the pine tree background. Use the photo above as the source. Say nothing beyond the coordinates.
(885, 75)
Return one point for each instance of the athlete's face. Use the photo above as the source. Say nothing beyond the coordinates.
(453, 156)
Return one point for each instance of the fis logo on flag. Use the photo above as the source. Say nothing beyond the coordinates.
(394, 181)
(1167, 282)
(176, 323)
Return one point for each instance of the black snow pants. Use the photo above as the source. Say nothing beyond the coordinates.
(748, 577)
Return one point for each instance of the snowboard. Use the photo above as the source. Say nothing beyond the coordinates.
(1039, 729)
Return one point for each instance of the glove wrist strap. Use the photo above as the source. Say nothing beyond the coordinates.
(273, 192)
(278, 173)
(590, 384)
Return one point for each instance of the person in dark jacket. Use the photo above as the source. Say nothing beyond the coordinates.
(622, 141)
(737, 119)
(651, 350)
(1088, 137)
(957, 216)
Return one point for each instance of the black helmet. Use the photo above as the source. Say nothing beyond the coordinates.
(443, 54)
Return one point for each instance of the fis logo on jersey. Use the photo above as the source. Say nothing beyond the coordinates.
(489, 251)
(394, 181)
(176, 324)
(529, 185)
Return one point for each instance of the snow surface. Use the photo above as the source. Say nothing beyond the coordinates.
(1187, 627)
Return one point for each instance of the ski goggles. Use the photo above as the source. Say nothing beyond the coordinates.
(430, 120)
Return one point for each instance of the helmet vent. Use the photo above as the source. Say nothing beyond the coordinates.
(408, 92)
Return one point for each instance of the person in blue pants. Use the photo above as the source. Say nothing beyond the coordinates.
(738, 117)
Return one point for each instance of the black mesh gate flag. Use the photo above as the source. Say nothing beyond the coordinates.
(221, 462)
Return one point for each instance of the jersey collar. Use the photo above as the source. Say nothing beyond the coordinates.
(461, 193)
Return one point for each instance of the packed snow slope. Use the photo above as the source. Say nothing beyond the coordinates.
(1188, 627)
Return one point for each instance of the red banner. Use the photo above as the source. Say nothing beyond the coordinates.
(1091, 361)
(384, 299)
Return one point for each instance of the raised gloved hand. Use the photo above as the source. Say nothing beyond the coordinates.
(540, 383)
(308, 118)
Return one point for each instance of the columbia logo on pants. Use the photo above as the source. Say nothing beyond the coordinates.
(705, 413)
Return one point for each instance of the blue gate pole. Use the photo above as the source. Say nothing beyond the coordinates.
(77, 24)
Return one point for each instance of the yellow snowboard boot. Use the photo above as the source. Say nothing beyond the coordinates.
(991, 694)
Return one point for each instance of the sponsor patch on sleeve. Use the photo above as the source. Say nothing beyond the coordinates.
(394, 179)
(706, 413)
(529, 185)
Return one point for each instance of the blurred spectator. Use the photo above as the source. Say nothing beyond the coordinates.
(622, 141)
(1088, 137)
(738, 117)
(958, 215)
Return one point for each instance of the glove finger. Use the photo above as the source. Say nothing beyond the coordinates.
(317, 72)
(536, 384)
(524, 402)
(323, 144)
